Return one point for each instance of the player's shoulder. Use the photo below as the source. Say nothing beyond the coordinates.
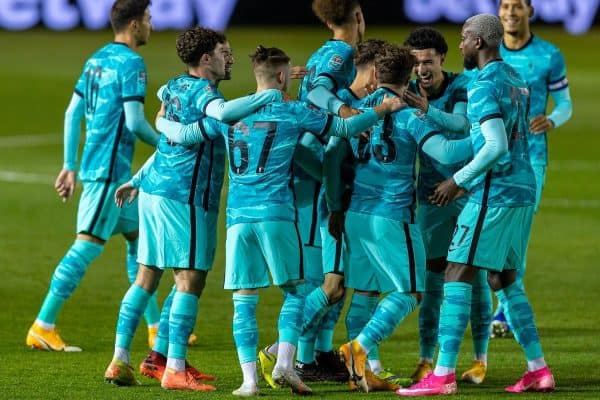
(458, 80)
(337, 54)
(543, 46)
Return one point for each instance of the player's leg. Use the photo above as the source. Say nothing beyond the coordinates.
(245, 272)
(482, 238)
(403, 272)
(481, 317)
(281, 247)
(96, 218)
(335, 262)
(133, 305)
(518, 309)
(182, 318)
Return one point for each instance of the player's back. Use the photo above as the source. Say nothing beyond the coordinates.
(385, 173)
(261, 150)
(334, 60)
(431, 172)
(542, 67)
(499, 92)
(189, 174)
(111, 76)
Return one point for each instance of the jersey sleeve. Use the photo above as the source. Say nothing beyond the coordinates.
(557, 79)
(208, 94)
(312, 119)
(483, 98)
(420, 129)
(213, 128)
(134, 80)
(337, 66)
(80, 85)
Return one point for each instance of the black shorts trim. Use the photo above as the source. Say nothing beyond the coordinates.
(480, 218)
(411, 258)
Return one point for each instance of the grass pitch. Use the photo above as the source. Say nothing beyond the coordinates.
(38, 72)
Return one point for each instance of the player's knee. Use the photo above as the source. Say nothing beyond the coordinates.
(148, 278)
(334, 288)
(494, 281)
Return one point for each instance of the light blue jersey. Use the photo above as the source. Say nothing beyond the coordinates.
(431, 172)
(188, 174)
(348, 96)
(542, 67)
(261, 152)
(499, 92)
(385, 174)
(113, 75)
(333, 60)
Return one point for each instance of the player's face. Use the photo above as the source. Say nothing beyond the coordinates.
(514, 15)
(222, 61)
(428, 68)
(143, 28)
(468, 47)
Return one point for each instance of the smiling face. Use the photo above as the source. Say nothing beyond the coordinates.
(428, 68)
(514, 15)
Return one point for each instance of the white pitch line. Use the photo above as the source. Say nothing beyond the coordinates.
(30, 140)
(26, 177)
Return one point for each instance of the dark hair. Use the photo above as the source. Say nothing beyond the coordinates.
(195, 42)
(269, 57)
(337, 12)
(124, 11)
(395, 65)
(427, 38)
(368, 50)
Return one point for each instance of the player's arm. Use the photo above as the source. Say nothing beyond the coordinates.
(355, 125)
(239, 108)
(136, 180)
(188, 134)
(495, 146)
(456, 121)
(562, 112)
(445, 151)
(323, 96)
(136, 122)
(130, 189)
(65, 182)
(306, 157)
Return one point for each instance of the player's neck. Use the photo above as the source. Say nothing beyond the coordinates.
(345, 35)
(398, 89)
(359, 86)
(517, 40)
(126, 38)
(262, 86)
(486, 57)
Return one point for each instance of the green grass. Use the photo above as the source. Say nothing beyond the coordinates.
(38, 71)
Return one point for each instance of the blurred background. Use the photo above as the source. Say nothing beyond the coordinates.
(43, 45)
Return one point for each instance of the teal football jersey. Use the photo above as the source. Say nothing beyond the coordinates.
(112, 76)
(542, 67)
(189, 174)
(384, 184)
(499, 92)
(431, 172)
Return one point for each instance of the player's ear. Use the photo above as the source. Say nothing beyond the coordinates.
(442, 58)
(531, 11)
(205, 58)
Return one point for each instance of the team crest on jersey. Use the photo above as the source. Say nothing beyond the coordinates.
(336, 62)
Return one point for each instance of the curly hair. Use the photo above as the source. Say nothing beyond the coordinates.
(269, 57)
(427, 38)
(195, 42)
(338, 12)
(124, 11)
(395, 65)
(368, 50)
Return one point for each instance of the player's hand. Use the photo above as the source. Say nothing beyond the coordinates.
(298, 72)
(392, 103)
(161, 113)
(125, 191)
(413, 100)
(336, 224)
(445, 192)
(65, 184)
(540, 124)
(346, 111)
